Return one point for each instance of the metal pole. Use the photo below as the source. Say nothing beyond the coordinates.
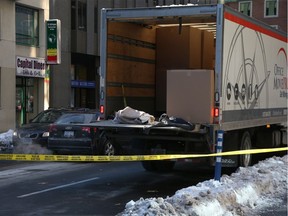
(218, 163)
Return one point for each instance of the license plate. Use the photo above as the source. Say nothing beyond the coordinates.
(68, 134)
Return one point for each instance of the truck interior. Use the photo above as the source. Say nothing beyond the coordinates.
(141, 51)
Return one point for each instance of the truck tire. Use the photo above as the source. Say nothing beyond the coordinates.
(246, 144)
(158, 166)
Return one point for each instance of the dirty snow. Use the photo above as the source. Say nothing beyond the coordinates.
(244, 192)
(6, 145)
(6, 140)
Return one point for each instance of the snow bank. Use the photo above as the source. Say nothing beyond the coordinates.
(6, 140)
(7, 146)
(236, 194)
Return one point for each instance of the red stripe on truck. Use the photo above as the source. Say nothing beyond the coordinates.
(253, 26)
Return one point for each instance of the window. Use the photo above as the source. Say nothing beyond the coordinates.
(78, 15)
(271, 8)
(27, 26)
(246, 8)
(73, 15)
(82, 16)
(95, 20)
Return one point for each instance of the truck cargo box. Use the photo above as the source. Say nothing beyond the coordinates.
(248, 59)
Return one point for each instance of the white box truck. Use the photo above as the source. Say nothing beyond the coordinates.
(209, 65)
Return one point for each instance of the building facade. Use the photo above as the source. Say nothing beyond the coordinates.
(23, 90)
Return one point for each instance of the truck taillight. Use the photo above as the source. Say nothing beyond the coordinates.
(216, 112)
(101, 109)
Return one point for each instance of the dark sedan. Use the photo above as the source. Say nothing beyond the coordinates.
(68, 135)
(36, 131)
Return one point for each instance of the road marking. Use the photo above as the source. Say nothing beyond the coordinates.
(56, 188)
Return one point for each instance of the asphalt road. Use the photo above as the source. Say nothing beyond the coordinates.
(84, 188)
(55, 188)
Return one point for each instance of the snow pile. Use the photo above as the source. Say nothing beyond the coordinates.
(238, 194)
(6, 140)
(7, 146)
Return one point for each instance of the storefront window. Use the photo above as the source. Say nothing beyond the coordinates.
(82, 87)
(27, 26)
(30, 95)
(25, 96)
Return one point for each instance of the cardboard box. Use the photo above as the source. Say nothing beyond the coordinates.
(190, 95)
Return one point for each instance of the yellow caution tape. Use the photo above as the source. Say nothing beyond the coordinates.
(91, 158)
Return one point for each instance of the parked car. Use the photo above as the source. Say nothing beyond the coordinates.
(36, 131)
(69, 134)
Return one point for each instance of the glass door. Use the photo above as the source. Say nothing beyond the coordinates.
(19, 106)
(24, 100)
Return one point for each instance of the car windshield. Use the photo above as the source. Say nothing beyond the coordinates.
(47, 117)
(79, 118)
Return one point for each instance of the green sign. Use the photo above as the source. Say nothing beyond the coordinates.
(53, 43)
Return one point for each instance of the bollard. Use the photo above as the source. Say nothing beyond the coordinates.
(218, 163)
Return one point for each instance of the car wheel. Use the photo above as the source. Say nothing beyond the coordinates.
(106, 147)
(246, 144)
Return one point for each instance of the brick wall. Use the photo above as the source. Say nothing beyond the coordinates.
(258, 13)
